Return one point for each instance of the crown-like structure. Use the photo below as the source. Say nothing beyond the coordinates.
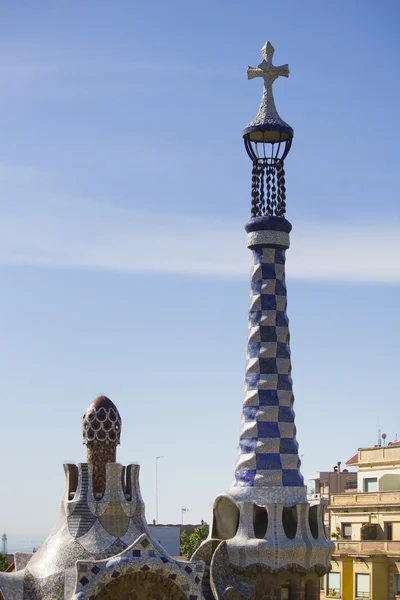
(266, 541)
(268, 120)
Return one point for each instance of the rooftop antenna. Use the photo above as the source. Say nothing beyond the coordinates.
(384, 436)
(4, 543)
(379, 438)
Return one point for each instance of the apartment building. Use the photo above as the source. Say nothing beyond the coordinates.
(326, 483)
(366, 520)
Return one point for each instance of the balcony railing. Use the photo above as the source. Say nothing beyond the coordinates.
(319, 497)
(365, 499)
(366, 547)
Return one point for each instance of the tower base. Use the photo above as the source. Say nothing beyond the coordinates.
(264, 551)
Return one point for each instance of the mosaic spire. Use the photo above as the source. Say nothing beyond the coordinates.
(268, 450)
(266, 541)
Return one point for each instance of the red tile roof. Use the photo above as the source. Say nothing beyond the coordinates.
(353, 460)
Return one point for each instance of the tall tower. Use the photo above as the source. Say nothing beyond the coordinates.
(265, 540)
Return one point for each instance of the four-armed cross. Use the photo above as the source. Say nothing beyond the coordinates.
(266, 69)
(267, 116)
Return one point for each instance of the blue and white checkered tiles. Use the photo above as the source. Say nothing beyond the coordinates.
(268, 450)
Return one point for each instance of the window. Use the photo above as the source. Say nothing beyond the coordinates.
(333, 585)
(346, 531)
(371, 484)
(397, 585)
(286, 592)
(388, 531)
(362, 585)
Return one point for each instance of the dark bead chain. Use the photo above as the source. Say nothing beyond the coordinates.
(254, 190)
(262, 194)
(268, 206)
(268, 188)
(273, 189)
(281, 191)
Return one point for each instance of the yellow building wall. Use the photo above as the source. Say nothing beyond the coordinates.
(347, 579)
(380, 580)
(396, 530)
(379, 570)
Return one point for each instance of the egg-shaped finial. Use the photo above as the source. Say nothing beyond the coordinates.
(101, 422)
(101, 428)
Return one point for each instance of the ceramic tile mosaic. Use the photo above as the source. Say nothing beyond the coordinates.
(99, 536)
(261, 528)
(142, 556)
(268, 450)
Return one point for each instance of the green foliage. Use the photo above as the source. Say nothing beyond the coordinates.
(336, 535)
(190, 543)
(4, 564)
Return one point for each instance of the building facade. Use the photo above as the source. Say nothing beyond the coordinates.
(366, 561)
(327, 483)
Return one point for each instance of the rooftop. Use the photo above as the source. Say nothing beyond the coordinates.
(375, 455)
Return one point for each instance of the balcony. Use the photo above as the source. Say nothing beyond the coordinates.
(378, 456)
(351, 485)
(363, 499)
(366, 548)
(311, 497)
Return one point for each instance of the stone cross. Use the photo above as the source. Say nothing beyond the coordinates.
(266, 69)
(267, 113)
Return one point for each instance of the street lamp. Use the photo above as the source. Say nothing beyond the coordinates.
(184, 509)
(157, 459)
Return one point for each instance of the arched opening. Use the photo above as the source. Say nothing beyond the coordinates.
(123, 479)
(324, 520)
(313, 521)
(289, 521)
(226, 519)
(139, 586)
(260, 521)
(312, 590)
(72, 474)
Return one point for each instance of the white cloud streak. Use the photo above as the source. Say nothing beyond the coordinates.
(22, 73)
(41, 227)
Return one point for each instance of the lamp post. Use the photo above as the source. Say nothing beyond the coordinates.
(157, 459)
(302, 465)
(184, 509)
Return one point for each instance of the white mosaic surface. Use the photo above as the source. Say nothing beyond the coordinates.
(96, 540)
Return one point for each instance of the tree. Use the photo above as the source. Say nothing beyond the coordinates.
(336, 535)
(190, 543)
(4, 563)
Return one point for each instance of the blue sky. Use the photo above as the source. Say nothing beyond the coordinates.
(124, 188)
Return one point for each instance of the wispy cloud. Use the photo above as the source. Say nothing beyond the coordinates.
(43, 227)
(28, 71)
